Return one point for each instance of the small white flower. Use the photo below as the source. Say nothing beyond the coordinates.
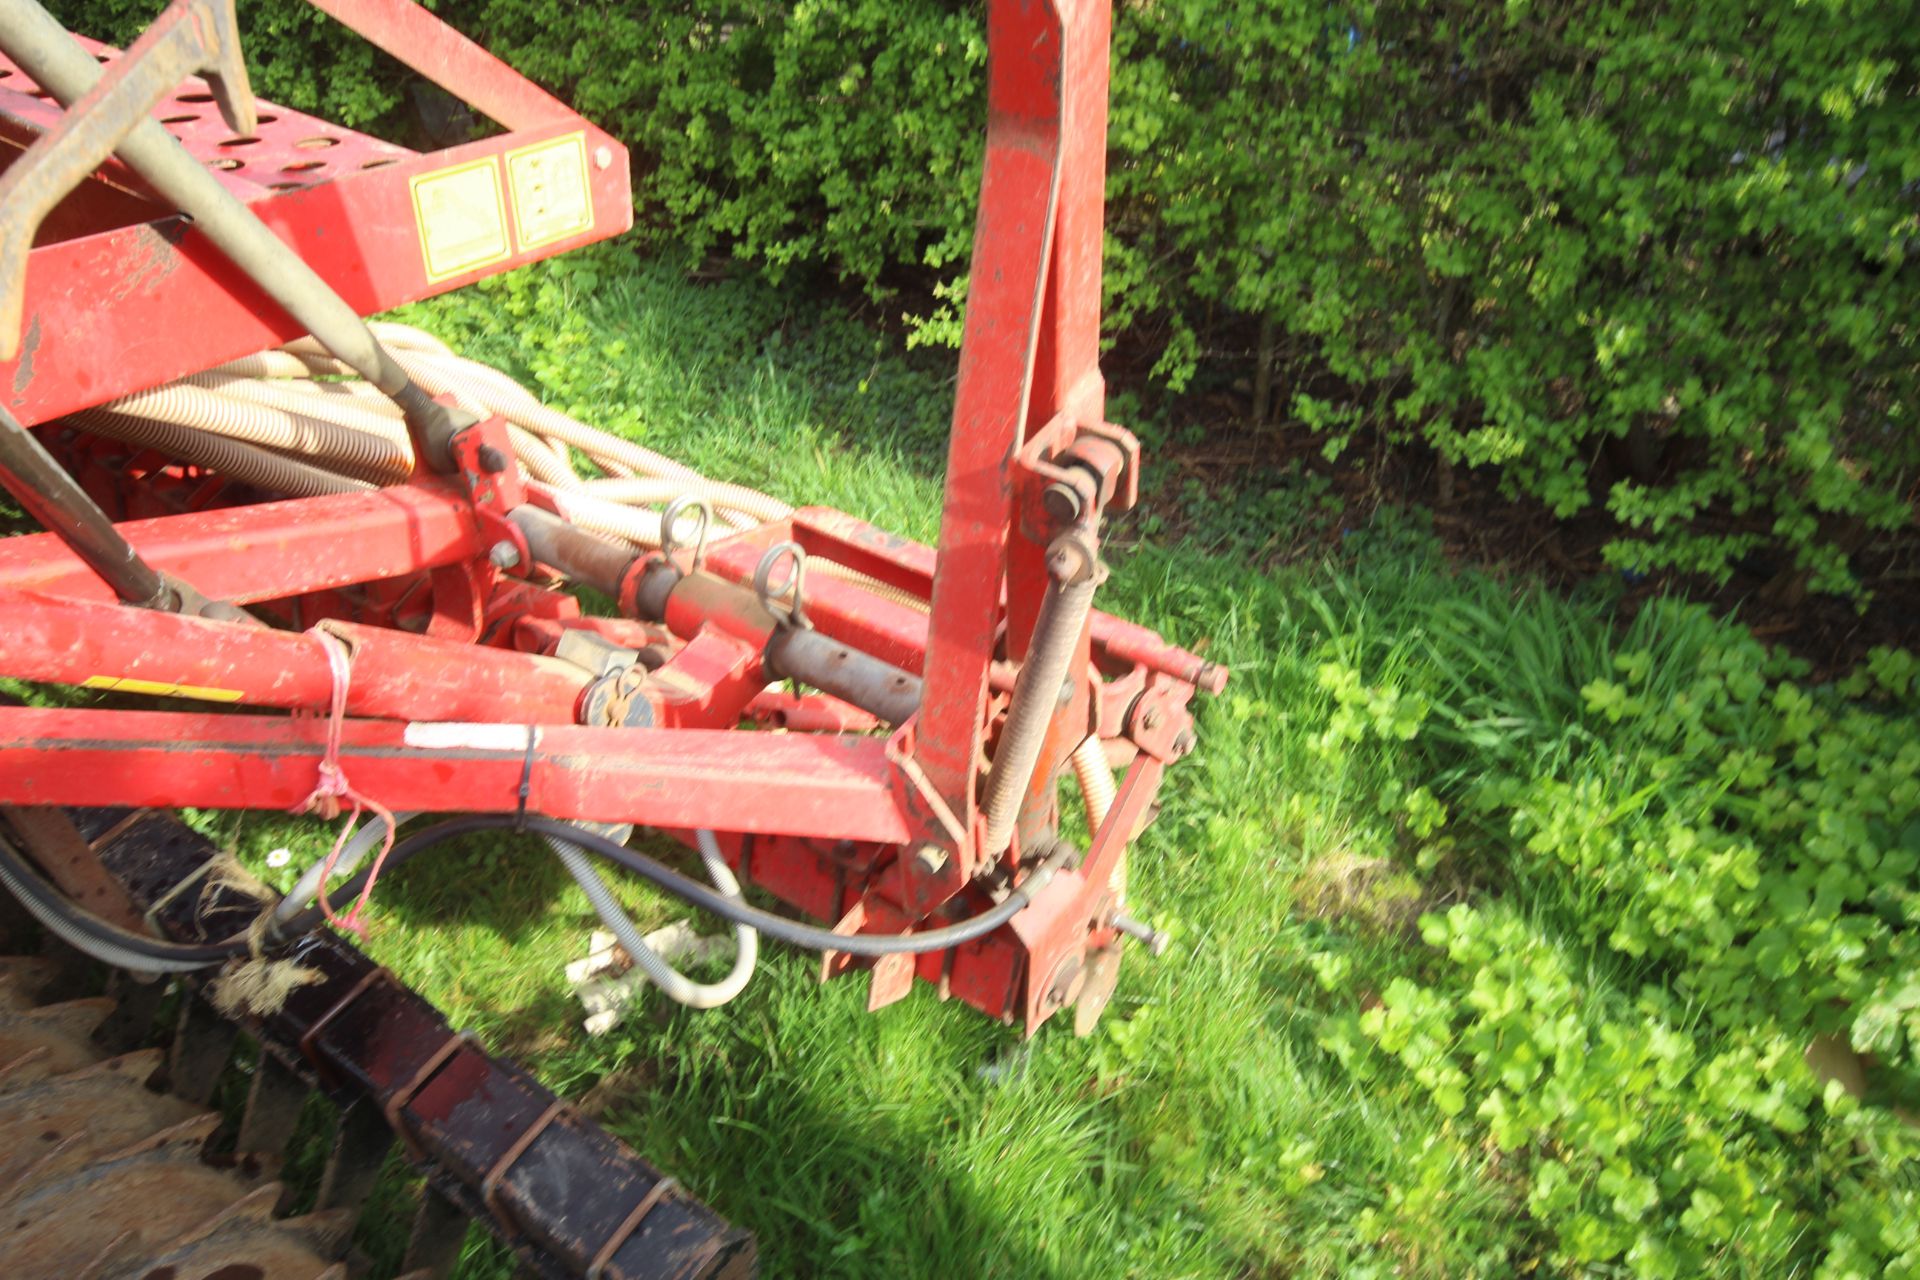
(279, 857)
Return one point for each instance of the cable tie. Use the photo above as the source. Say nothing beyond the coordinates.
(526, 782)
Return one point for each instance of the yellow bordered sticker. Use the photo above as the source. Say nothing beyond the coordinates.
(127, 684)
(462, 217)
(551, 199)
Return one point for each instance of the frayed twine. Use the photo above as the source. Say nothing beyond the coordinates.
(333, 787)
(258, 986)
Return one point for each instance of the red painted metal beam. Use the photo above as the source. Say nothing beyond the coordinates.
(1012, 245)
(128, 295)
(826, 786)
(394, 674)
(272, 550)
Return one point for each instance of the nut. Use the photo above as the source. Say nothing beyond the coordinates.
(504, 554)
(930, 859)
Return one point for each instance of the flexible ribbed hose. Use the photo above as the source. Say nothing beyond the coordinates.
(275, 398)
(492, 390)
(234, 459)
(1036, 696)
(327, 401)
(361, 454)
(677, 986)
(540, 462)
(395, 334)
(1098, 790)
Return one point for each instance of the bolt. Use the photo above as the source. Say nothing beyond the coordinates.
(1151, 720)
(1062, 503)
(1185, 742)
(492, 461)
(504, 554)
(1154, 940)
(602, 157)
(930, 859)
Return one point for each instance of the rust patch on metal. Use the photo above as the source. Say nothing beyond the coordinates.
(71, 863)
(29, 347)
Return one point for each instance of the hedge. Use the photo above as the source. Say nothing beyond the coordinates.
(1648, 256)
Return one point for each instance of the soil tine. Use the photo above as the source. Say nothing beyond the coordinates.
(439, 1229)
(274, 1102)
(131, 1021)
(359, 1149)
(202, 1043)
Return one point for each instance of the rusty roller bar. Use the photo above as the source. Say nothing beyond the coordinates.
(571, 1199)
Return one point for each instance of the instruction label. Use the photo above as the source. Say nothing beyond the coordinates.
(462, 218)
(551, 200)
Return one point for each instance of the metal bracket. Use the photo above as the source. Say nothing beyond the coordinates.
(193, 37)
(670, 541)
(791, 590)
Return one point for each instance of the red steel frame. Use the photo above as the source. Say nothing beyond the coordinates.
(879, 833)
(115, 270)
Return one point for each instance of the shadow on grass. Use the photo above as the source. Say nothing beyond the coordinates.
(504, 884)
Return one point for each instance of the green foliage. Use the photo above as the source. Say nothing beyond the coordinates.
(296, 55)
(1650, 256)
(1705, 864)
(1525, 234)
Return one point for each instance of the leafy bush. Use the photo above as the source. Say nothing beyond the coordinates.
(296, 55)
(1525, 234)
(1646, 255)
(1703, 866)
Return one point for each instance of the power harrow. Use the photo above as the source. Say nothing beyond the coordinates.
(352, 556)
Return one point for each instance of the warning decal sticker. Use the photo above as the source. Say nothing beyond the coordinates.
(462, 218)
(550, 196)
(128, 684)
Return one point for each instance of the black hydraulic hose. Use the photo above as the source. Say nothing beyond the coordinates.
(34, 891)
(17, 875)
(792, 932)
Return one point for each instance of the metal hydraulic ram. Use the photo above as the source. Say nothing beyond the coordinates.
(686, 602)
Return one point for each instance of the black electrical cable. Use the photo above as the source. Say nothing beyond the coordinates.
(26, 882)
(792, 932)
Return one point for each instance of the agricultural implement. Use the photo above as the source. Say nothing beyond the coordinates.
(350, 556)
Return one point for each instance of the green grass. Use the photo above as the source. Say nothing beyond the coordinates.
(1245, 1108)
